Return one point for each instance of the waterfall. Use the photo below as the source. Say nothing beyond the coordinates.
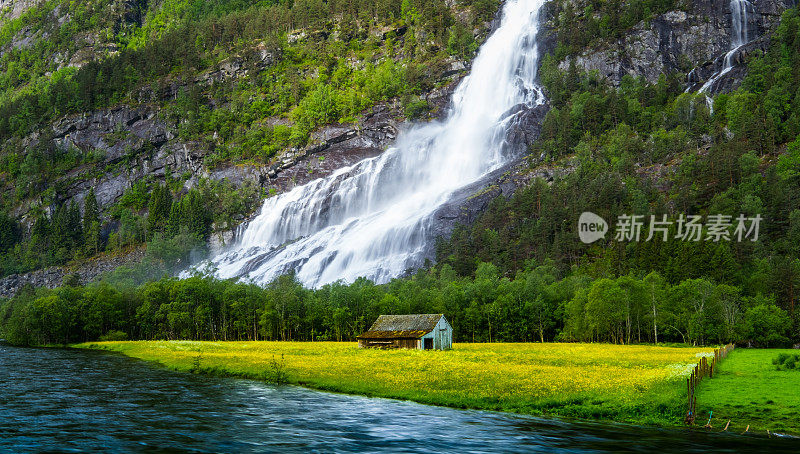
(739, 37)
(373, 218)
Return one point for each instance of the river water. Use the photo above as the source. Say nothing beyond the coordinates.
(58, 400)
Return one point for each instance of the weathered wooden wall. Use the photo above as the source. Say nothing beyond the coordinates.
(388, 343)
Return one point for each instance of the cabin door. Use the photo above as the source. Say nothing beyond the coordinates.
(428, 344)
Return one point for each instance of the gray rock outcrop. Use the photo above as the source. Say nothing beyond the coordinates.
(678, 41)
(54, 276)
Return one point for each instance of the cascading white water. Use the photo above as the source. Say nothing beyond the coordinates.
(739, 37)
(371, 219)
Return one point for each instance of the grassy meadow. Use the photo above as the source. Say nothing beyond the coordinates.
(747, 389)
(641, 384)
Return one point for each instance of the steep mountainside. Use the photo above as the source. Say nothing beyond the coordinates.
(233, 102)
(119, 97)
(673, 44)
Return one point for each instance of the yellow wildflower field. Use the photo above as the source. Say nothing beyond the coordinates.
(620, 382)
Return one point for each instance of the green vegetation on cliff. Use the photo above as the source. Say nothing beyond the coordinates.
(179, 222)
(240, 80)
(654, 150)
(325, 61)
(584, 24)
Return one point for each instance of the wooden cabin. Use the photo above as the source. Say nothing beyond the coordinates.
(417, 331)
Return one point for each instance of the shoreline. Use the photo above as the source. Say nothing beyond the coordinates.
(336, 367)
(634, 405)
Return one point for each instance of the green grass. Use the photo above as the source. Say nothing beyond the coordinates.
(636, 384)
(749, 390)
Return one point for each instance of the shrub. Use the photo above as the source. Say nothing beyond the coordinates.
(786, 361)
(416, 109)
(114, 336)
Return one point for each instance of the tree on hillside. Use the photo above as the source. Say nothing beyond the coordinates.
(158, 209)
(634, 304)
(731, 310)
(91, 223)
(695, 306)
(9, 232)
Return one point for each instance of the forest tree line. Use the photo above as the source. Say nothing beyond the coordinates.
(536, 305)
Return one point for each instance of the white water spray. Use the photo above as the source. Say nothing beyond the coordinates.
(373, 218)
(739, 37)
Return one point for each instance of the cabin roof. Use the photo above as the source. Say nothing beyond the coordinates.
(402, 326)
(400, 334)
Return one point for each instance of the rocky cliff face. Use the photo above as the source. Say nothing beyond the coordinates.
(137, 142)
(691, 41)
(12, 9)
(55, 276)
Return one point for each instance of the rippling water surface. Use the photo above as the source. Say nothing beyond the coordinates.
(72, 400)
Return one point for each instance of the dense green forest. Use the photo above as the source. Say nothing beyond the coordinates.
(519, 273)
(535, 305)
(170, 221)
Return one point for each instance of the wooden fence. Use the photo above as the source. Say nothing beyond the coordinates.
(704, 368)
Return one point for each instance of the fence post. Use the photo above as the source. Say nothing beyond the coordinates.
(704, 368)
